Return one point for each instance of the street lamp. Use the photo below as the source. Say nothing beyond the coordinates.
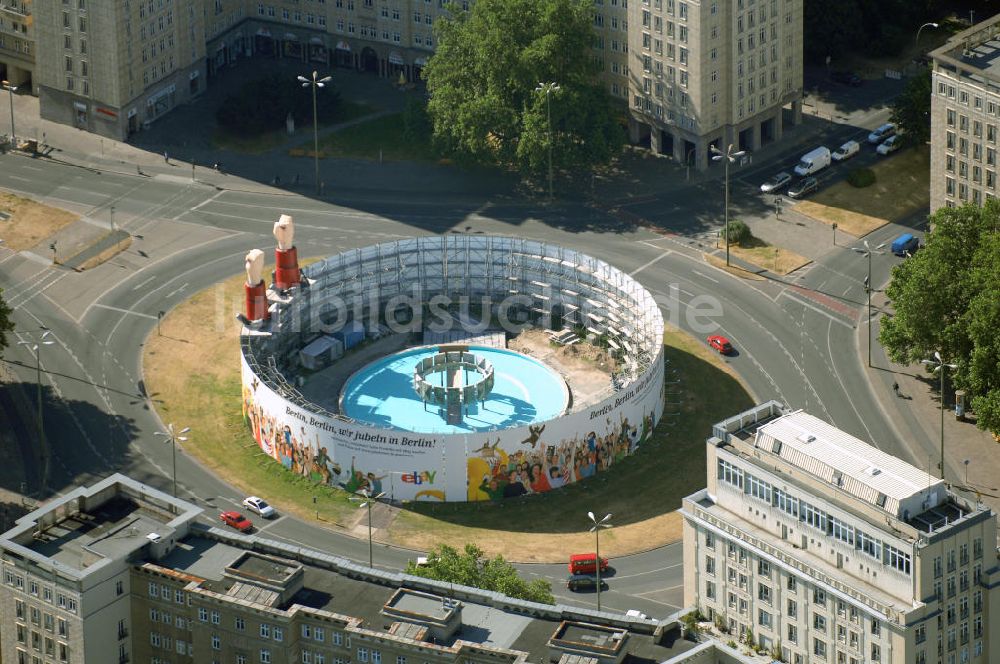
(548, 89)
(596, 529)
(925, 25)
(11, 89)
(940, 365)
(728, 158)
(315, 83)
(36, 348)
(868, 251)
(172, 437)
(367, 502)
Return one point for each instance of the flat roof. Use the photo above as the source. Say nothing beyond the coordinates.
(362, 600)
(837, 457)
(267, 569)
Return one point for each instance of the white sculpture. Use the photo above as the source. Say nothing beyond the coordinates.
(255, 266)
(284, 232)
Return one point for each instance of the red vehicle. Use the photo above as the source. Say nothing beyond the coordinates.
(585, 563)
(720, 344)
(237, 521)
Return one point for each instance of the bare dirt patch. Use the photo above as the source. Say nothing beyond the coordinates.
(585, 367)
(30, 222)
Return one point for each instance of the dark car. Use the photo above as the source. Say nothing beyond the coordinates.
(584, 582)
(803, 187)
(847, 78)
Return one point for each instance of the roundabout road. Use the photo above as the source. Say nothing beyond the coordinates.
(797, 340)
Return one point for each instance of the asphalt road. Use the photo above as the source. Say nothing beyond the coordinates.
(799, 340)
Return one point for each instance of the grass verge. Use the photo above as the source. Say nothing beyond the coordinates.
(902, 188)
(198, 385)
(776, 260)
(30, 222)
(347, 111)
(366, 140)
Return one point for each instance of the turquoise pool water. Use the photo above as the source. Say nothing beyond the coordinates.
(524, 391)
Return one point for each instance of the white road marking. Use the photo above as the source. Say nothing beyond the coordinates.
(705, 276)
(176, 290)
(140, 285)
(650, 262)
(124, 311)
(798, 300)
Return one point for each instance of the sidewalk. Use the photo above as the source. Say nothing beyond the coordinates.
(917, 413)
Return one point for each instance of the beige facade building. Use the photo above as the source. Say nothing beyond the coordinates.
(120, 572)
(830, 550)
(965, 116)
(713, 73)
(17, 43)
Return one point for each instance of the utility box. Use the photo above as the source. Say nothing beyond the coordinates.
(959, 404)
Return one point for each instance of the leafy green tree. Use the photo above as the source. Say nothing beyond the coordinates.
(947, 299)
(470, 567)
(911, 110)
(6, 322)
(482, 81)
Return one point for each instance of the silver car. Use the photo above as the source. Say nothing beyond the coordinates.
(779, 181)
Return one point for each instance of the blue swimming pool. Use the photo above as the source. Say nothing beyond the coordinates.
(524, 391)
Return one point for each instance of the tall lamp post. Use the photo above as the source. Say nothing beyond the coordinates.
(11, 89)
(548, 89)
(868, 251)
(172, 437)
(35, 346)
(367, 502)
(728, 158)
(596, 529)
(939, 364)
(315, 83)
(925, 25)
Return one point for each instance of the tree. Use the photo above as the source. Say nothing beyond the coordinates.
(471, 568)
(911, 110)
(947, 299)
(482, 83)
(6, 322)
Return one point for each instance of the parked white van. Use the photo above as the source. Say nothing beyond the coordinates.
(813, 161)
(846, 151)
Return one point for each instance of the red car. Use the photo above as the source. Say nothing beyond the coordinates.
(237, 521)
(720, 344)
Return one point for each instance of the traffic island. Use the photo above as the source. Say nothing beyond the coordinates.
(192, 374)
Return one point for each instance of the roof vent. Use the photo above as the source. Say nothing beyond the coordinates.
(873, 471)
(806, 437)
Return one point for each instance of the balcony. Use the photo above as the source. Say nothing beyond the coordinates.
(15, 9)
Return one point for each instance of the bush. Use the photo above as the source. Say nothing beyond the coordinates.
(739, 233)
(263, 104)
(861, 177)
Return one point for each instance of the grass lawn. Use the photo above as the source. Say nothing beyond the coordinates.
(29, 222)
(902, 188)
(347, 111)
(776, 260)
(366, 139)
(198, 385)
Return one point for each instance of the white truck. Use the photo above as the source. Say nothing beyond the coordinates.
(813, 161)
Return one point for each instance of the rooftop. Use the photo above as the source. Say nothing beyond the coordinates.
(975, 50)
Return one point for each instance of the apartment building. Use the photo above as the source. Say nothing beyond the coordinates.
(119, 572)
(965, 115)
(830, 550)
(17, 43)
(713, 73)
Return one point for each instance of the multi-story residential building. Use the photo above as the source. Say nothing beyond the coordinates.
(833, 551)
(17, 43)
(965, 116)
(694, 72)
(120, 572)
(713, 73)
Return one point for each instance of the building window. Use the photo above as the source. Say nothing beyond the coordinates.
(239, 624)
(265, 656)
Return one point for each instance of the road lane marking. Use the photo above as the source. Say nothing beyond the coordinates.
(146, 281)
(705, 276)
(124, 311)
(650, 262)
(816, 309)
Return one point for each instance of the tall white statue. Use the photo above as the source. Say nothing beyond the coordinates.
(284, 232)
(255, 267)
